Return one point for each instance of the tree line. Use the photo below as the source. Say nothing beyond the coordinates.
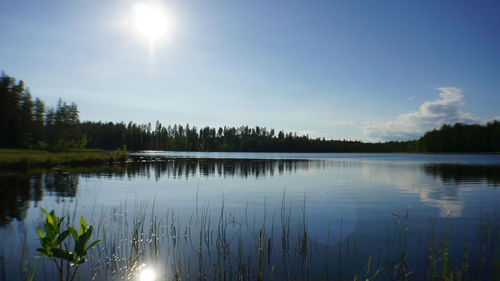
(243, 139)
(28, 123)
(462, 138)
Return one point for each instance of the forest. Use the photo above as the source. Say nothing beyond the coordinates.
(28, 123)
(462, 138)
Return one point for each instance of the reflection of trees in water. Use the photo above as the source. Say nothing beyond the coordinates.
(460, 173)
(187, 167)
(444, 186)
(61, 184)
(456, 180)
(244, 168)
(18, 190)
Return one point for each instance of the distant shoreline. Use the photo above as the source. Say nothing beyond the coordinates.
(27, 158)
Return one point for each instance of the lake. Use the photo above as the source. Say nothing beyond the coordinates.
(256, 216)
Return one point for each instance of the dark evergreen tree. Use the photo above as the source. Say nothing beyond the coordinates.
(24, 123)
(26, 128)
(10, 111)
(38, 123)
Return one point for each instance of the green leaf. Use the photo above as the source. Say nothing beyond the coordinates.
(63, 254)
(87, 234)
(41, 234)
(73, 232)
(62, 236)
(43, 251)
(50, 217)
(50, 230)
(46, 243)
(80, 248)
(83, 223)
(93, 244)
(47, 215)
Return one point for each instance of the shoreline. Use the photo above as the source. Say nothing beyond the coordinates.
(27, 158)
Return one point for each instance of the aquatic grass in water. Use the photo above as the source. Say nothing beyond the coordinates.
(343, 230)
(217, 244)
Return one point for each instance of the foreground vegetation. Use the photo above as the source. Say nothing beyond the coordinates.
(28, 123)
(55, 246)
(21, 158)
(216, 244)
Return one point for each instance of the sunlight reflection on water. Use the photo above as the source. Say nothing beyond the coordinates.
(147, 274)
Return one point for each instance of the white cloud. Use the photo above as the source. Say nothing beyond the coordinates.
(496, 118)
(449, 199)
(309, 133)
(430, 115)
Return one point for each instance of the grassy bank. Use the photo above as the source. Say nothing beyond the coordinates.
(23, 158)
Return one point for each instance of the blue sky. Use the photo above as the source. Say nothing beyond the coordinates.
(369, 70)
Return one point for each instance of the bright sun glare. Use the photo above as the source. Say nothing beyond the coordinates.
(151, 21)
(147, 274)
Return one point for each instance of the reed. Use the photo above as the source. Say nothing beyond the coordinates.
(217, 244)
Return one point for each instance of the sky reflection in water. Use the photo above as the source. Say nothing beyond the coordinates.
(360, 193)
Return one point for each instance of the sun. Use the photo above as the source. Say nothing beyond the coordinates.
(151, 22)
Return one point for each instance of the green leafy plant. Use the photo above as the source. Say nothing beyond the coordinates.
(54, 244)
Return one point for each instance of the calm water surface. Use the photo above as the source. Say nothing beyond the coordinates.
(346, 199)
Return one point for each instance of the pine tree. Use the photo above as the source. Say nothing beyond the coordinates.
(26, 119)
